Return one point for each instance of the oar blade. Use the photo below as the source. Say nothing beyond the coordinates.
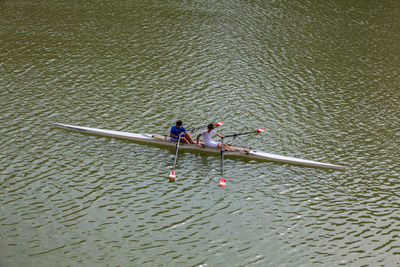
(261, 130)
(220, 123)
(172, 175)
(222, 182)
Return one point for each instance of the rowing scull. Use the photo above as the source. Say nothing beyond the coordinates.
(164, 140)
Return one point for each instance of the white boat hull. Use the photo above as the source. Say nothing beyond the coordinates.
(164, 140)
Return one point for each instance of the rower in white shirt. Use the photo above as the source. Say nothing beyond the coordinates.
(208, 141)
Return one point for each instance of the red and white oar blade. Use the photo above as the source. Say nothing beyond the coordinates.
(172, 175)
(219, 123)
(222, 182)
(261, 130)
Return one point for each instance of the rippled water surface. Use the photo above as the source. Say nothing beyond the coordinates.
(322, 78)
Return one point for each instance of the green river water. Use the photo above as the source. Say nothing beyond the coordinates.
(321, 76)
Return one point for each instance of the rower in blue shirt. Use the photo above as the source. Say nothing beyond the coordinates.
(176, 131)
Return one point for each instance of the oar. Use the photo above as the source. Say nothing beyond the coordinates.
(252, 132)
(172, 175)
(205, 126)
(222, 181)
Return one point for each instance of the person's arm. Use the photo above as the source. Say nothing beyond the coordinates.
(198, 137)
(217, 134)
(172, 135)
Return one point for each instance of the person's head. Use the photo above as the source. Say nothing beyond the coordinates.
(210, 126)
(179, 123)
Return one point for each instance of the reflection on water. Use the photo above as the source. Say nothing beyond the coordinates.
(321, 78)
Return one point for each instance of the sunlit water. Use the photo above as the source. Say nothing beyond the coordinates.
(322, 78)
